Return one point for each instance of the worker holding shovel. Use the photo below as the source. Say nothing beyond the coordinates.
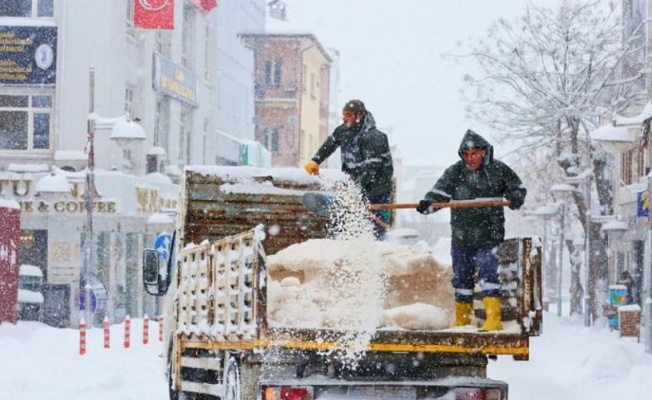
(366, 158)
(476, 231)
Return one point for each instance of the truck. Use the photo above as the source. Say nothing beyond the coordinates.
(219, 342)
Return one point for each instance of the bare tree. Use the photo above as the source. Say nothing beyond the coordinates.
(546, 81)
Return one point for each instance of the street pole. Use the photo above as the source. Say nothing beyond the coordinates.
(647, 278)
(90, 185)
(587, 254)
(561, 257)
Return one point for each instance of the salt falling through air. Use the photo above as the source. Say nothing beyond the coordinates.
(359, 281)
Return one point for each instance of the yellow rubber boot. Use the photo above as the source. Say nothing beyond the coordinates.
(492, 309)
(462, 313)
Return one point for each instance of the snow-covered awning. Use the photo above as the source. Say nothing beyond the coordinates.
(53, 183)
(637, 120)
(614, 225)
(615, 139)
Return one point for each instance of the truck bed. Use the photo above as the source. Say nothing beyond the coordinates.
(222, 279)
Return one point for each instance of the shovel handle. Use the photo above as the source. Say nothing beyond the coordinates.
(454, 204)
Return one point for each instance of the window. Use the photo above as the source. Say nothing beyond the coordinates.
(131, 31)
(27, 8)
(185, 130)
(626, 167)
(207, 53)
(312, 85)
(188, 38)
(25, 122)
(271, 139)
(162, 122)
(273, 72)
(129, 101)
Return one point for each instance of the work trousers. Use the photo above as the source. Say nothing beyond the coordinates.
(465, 262)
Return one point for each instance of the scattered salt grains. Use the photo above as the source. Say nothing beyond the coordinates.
(351, 285)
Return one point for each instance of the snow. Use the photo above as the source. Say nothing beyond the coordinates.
(61, 155)
(646, 113)
(9, 204)
(568, 362)
(125, 128)
(613, 133)
(30, 270)
(53, 183)
(45, 364)
(30, 296)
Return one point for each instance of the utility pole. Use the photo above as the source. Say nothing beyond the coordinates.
(88, 199)
(647, 279)
(587, 256)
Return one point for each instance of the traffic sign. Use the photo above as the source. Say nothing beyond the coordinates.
(162, 245)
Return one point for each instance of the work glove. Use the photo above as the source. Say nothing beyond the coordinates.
(312, 168)
(425, 207)
(515, 201)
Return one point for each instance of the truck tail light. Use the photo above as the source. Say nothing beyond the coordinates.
(478, 394)
(288, 393)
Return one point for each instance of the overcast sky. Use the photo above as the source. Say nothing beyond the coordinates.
(390, 57)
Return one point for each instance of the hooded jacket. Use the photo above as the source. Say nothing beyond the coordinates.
(365, 154)
(472, 227)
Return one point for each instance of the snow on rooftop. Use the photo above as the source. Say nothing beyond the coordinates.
(646, 113)
(160, 218)
(613, 133)
(614, 225)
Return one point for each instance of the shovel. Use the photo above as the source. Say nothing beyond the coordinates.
(320, 204)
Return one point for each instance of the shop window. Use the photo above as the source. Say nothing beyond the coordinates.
(27, 8)
(25, 122)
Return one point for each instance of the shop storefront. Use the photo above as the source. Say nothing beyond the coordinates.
(54, 233)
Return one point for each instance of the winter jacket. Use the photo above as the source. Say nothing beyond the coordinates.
(472, 227)
(365, 156)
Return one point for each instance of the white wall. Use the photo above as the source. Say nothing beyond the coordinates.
(235, 69)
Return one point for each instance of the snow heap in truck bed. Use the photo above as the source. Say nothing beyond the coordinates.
(358, 284)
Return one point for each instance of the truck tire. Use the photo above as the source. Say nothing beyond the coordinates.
(232, 380)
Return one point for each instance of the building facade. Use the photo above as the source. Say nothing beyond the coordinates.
(292, 73)
(152, 101)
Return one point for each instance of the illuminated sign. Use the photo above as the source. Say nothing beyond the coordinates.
(174, 80)
(28, 55)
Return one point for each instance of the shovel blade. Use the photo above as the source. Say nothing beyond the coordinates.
(318, 203)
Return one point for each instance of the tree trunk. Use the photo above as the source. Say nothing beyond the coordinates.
(576, 290)
(599, 271)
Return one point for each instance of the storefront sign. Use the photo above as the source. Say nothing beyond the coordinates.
(174, 80)
(28, 55)
(643, 204)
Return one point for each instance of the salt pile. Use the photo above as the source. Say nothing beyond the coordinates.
(325, 283)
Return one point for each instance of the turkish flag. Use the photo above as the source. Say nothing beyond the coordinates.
(154, 14)
(204, 5)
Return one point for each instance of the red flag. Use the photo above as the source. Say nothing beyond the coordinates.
(154, 14)
(204, 5)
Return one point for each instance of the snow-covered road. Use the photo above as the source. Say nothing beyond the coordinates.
(568, 362)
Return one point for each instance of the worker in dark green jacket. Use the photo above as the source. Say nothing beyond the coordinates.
(476, 232)
(365, 155)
